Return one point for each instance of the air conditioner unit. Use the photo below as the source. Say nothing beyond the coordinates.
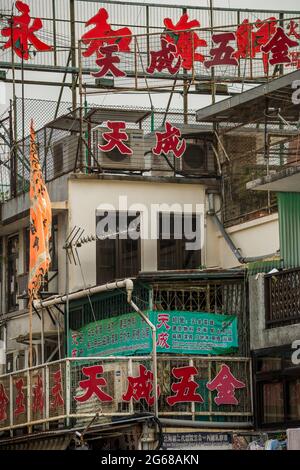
(114, 160)
(198, 158)
(64, 153)
(157, 164)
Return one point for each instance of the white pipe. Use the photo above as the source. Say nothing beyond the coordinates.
(126, 283)
(154, 353)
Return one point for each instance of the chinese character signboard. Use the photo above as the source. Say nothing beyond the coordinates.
(177, 332)
(197, 440)
(245, 44)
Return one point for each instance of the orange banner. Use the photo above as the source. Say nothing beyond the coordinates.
(40, 223)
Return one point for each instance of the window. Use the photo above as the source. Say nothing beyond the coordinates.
(273, 402)
(177, 242)
(277, 388)
(294, 400)
(12, 271)
(53, 245)
(118, 246)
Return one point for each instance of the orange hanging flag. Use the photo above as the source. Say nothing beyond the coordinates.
(40, 223)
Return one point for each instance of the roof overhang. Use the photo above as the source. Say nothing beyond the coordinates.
(96, 116)
(286, 180)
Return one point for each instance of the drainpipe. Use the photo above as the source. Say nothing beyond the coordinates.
(241, 259)
(154, 353)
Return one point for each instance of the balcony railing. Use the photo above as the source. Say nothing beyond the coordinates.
(282, 298)
(60, 393)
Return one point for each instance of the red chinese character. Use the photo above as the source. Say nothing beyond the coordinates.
(162, 340)
(3, 403)
(116, 138)
(93, 384)
(278, 46)
(20, 405)
(185, 389)
(249, 40)
(75, 338)
(107, 62)
(225, 383)
(169, 141)
(56, 391)
(187, 41)
(38, 396)
(163, 319)
(223, 54)
(164, 58)
(292, 27)
(141, 387)
(103, 33)
(22, 31)
(74, 352)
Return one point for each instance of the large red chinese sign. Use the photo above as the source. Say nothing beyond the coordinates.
(181, 45)
(22, 33)
(184, 388)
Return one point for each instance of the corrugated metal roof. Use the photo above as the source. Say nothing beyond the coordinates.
(289, 228)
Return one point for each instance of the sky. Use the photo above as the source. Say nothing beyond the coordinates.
(159, 100)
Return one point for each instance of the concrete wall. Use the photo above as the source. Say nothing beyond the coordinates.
(260, 336)
(86, 195)
(255, 238)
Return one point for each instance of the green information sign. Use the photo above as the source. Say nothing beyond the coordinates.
(177, 332)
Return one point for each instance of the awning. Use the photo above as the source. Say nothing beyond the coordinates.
(250, 105)
(41, 443)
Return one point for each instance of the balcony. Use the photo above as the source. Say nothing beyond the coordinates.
(47, 396)
(282, 298)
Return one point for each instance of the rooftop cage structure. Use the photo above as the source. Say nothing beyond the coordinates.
(258, 135)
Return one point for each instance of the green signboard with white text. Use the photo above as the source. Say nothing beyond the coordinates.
(178, 332)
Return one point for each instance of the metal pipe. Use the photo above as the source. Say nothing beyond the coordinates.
(154, 353)
(182, 423)
(126, 283)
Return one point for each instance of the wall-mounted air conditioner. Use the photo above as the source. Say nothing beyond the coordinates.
(63, 154)
(114, 160)
(198, 159)
(158, 164)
